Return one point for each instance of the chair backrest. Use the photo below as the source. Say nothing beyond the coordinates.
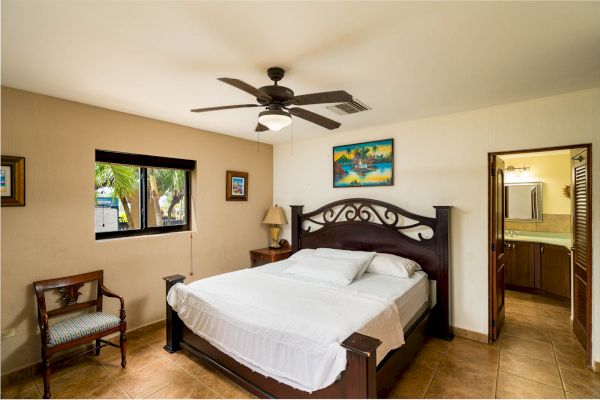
(68, 287)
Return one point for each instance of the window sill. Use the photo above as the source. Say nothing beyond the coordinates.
(137, 235)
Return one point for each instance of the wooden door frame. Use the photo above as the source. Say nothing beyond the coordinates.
(588, 147)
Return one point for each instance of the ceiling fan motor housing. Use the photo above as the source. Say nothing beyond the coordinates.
(279, 94)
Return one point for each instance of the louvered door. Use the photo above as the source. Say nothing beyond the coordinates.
(581, 249)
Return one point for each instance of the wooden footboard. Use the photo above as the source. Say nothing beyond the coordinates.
(359, 380)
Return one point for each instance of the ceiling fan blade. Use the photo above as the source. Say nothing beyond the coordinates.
(224, 107)
(338, 96)
(260, 128)
(246, 88)
(315, 118)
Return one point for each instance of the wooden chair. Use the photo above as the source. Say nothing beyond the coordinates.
(80, 329)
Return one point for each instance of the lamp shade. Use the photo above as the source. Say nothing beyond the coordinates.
(274, 119)
(275, 216)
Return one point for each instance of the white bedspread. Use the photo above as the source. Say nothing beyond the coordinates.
(282, 327)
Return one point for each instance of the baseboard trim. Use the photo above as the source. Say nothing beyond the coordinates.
(471, 335)
(36, 368)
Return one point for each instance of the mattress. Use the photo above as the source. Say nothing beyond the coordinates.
(409, 294)
(291, 328)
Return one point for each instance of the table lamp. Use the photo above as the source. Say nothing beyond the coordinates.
(275, 217)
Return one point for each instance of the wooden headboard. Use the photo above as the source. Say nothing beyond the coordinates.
(373, 225)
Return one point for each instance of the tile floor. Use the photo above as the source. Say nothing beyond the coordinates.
(536, 357)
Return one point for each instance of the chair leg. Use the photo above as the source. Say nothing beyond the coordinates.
(123, 344)
(98, 343)
(46, 377)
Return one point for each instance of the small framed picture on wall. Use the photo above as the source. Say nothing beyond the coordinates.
(12, 181)
(236, 186)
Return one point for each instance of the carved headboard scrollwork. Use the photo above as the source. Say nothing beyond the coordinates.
(373, 225)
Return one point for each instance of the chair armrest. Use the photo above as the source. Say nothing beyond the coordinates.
(42, 313)
(42, 316)
(109, 293)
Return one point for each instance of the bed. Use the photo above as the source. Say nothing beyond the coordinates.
(365, 364)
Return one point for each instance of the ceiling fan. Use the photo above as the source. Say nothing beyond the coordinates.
(278, 100)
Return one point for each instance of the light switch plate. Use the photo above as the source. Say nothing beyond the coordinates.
(8, 333)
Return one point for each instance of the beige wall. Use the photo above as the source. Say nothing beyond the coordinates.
(53, 235)
(554, 171)
(443, 161)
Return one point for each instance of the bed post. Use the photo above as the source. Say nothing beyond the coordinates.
(296, 226)
(174, 324)
(361, 370)
(441, 322)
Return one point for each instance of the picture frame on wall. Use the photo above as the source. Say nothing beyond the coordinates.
(364, 164)
(236, 186)
(12, 181)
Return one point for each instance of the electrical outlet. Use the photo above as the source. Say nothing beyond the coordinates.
(8, 333)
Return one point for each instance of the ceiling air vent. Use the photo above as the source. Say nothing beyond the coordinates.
(352, 107)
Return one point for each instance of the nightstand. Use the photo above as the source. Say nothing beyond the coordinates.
(260, 257)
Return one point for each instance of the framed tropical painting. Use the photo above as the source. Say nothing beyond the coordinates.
(364, 164)
(237, 186)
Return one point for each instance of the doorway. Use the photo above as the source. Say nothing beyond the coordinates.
(539, 243)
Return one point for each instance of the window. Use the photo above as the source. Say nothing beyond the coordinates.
(140, 195)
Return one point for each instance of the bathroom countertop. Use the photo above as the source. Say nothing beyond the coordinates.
(560, 239)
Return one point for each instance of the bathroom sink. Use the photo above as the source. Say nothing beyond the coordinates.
(561, 239)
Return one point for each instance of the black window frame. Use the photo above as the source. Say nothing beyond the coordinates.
(144, 162)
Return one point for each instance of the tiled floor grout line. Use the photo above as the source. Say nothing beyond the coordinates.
(156, 391)
(562, 381)
(437, 369)
(196, 379)
(497, 368)
(530, 380)
(37, 388)
(146, 345)
(113, 379)
(546, 327)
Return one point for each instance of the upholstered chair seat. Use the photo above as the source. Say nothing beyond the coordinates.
(77, 324)
(70, 329)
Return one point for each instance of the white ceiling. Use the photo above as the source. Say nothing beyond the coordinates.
(406, 60)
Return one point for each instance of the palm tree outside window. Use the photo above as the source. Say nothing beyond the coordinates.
(140, 194)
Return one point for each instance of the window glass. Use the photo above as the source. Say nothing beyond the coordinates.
(117, 197)
(167, 201)
(136, 194)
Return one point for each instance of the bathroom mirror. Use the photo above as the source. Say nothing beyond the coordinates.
(523, 201)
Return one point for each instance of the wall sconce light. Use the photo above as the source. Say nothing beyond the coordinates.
(518, 172)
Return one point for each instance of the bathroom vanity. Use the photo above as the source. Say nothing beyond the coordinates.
(538, 262)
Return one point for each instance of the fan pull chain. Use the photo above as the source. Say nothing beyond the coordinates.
(292, 139)
(191, 253)
(258, 142)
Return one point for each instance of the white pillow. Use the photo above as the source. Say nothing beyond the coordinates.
(390, 264)
(365, 256)
(336, 270)
(300, 254)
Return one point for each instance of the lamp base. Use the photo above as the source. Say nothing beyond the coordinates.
(274, 233)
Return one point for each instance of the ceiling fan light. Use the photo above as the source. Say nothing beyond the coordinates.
(274, 119)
